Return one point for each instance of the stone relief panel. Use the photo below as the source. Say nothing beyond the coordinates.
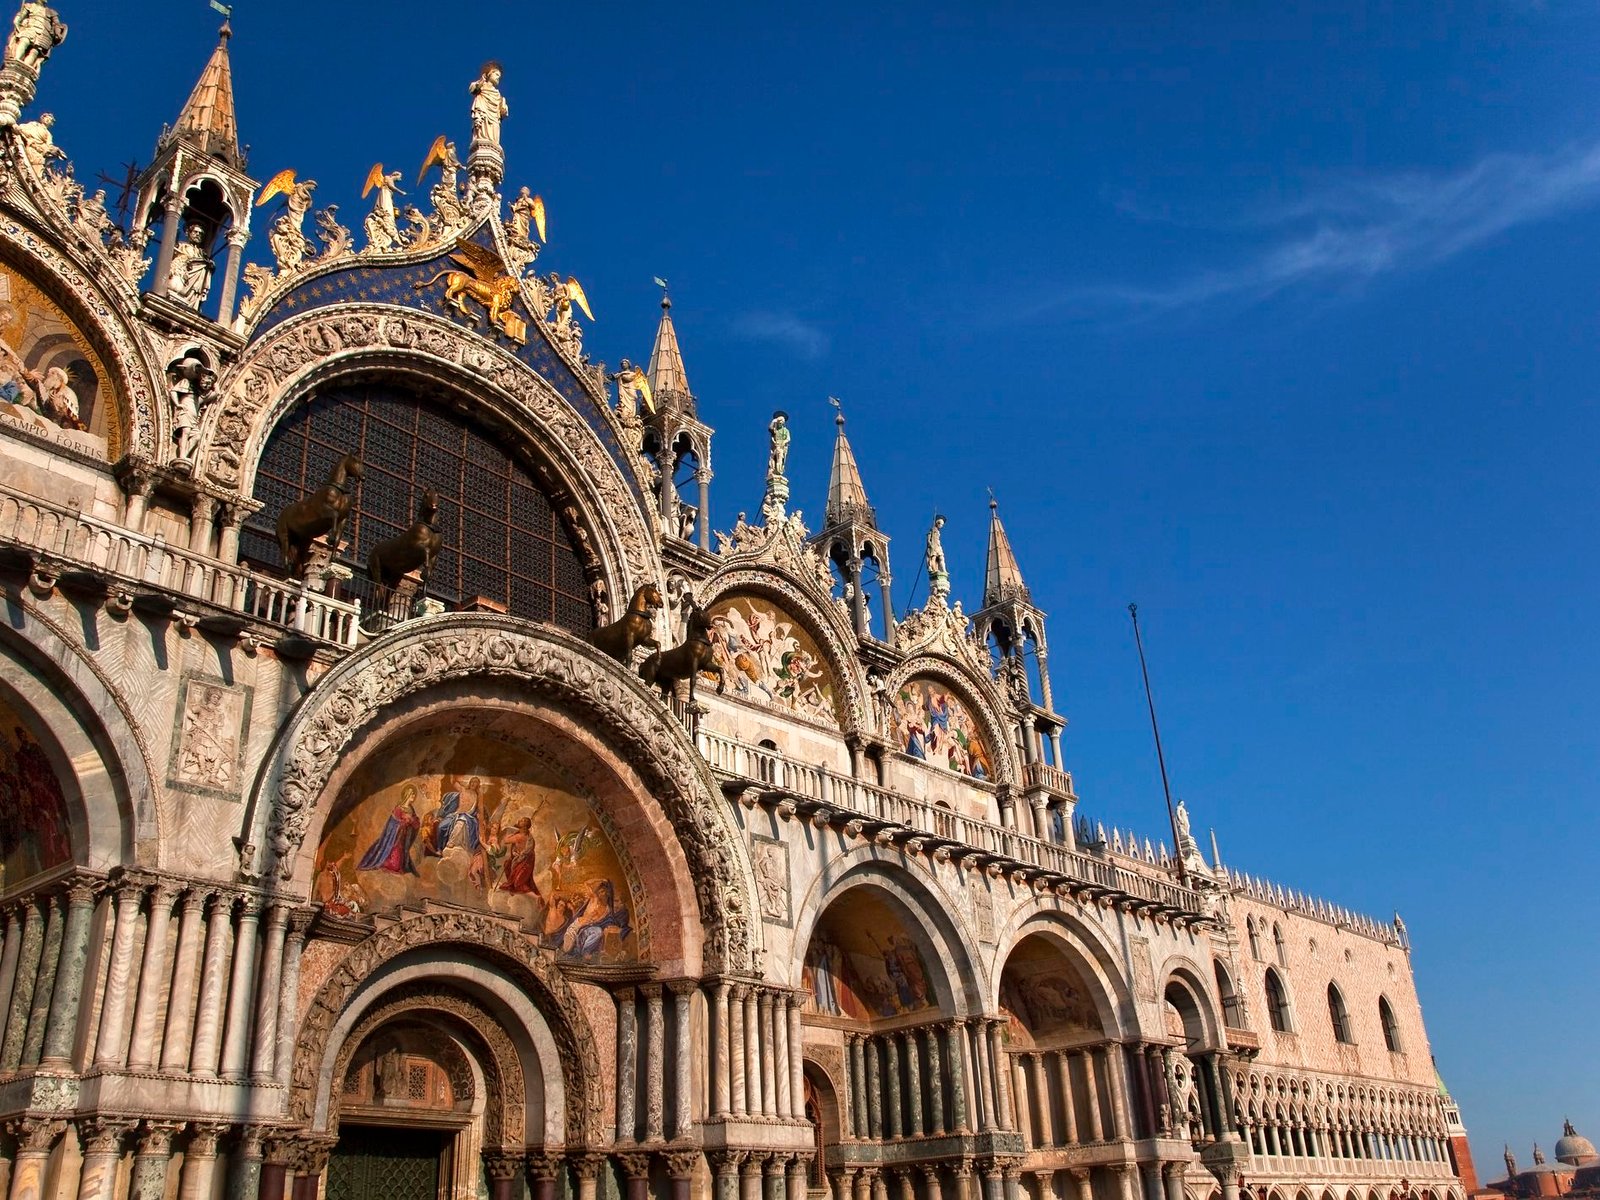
(52, 381)
(930, 723)
(479, 822)
(768, 658)
(770, 859)
(863, 963)
(34, 827)
(208, 737)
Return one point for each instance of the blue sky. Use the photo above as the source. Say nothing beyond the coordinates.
(1278, 319)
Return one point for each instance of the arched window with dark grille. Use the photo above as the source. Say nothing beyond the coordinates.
(1277, 1002)
(1391, 1027)
(505, 546)
(1338, 1015)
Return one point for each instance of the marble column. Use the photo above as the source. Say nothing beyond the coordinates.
(213, 987)
(627, 1064)
(635, 1174)
(111, 1047)
(66, 1000)
(1125, 1173)
(908, 1183)
(544, 1172)
(264, 1049)
(936, 1125)
(1041, 1092)
(797, 1070)
(725, 1172)
(913, 1086)
(750, 1176)
(172, 209)
(1069, 1119)
(501, 1168)
(1172, 1176)
(27, 973)
(965, 1183)
(894, 1126)
(752, 1053)
(768, 1105)
(9, 956)
(932, 1186)
(1082, 1183)
(799, 1176)
(682, 1079)
(294, 946)
(681, 1166)
(773, 1174)
(44, 981)
(860, 1126)
(200, 1161)
(984, 1089)
(1012, 1174)
(102, 1150)
(721, 1060)
(1117, 1086)
(874, 1090)
(1021, 1102)
(244, 1165)
(1092, 1093)
(955, 1052)
(35, 1139)
(186, 968)
(145, 1046)
(780, 1056)
(1004, 1111)
(737, 1084)
(993, 1181)
(236, 1033)
(655, 1062)
(150, 1164)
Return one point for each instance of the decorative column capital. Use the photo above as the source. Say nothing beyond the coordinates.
(544, 1164)
(299, 923)
(683, 987)
(35, 1134)
(963, 1168)
(650, 991)
(681, 1163)
(155, 1137)
(203, 1138)
(587, 1163)
(502, 1165)
(751, 1162)
(635, 1164)
(103, 1135)
(775, 1164)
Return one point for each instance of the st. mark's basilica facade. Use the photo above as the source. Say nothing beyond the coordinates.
(405, 793)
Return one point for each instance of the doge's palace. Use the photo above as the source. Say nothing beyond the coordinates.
(407, 792)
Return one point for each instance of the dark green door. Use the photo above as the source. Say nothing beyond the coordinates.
(374, 1163)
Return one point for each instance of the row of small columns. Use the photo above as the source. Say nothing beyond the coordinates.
(880, 1108)
(756, 1049)
(999, 1179)
(1051, 1114)
(103, 1140)
(211, 1012)
(1363, 1143)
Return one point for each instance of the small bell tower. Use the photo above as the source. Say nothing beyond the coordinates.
(197, 194)
(852, 541)
(1014, 629)
(674, 438)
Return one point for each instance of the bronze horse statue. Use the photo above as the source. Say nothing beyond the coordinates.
(633, 628)
(418, 547)
(324, 511)
(665, 668)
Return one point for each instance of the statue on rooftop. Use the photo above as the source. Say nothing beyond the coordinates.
(382, 225)
(287, 236)
(632, 387)
(488, 105)
(778, 436)
(938, 572)
(38, 143)
(36, 30)
(189, 279)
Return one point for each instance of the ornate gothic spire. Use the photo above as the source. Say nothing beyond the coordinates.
(667, 378)
(1003, 578)
(208, 117)
(847, 495)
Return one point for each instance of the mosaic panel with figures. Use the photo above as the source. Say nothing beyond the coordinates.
(767, 657)
(34, 828)
(1043, 997)
(932, 724)
(863, 962)
(52, 381)
(480, 822)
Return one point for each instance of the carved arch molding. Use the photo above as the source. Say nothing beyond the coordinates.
(533, 970)
(545, 664)
(282, 367)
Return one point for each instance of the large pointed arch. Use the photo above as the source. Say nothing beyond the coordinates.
(500, 655)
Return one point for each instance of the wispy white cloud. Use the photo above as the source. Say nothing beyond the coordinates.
(1348, 232)
(798, 336)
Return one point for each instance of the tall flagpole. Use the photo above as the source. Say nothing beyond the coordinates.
(1161, 759)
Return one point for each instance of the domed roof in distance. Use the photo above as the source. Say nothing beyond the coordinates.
(1574, 1149)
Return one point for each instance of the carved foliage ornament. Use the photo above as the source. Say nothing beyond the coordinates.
(548, 665)
(276, 371)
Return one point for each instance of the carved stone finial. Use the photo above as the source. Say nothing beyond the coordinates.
(36, 30)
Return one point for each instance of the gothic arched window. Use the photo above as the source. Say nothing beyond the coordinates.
(1277, 1002)
(504, 542)
(1232, 1017)
(1391, 1028)
(1255, 938)
(1338, 1016)
(1278, 946)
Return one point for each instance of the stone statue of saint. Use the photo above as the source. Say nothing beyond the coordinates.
(35, 32)
(38, 143)
(488, 105)
(778, 445)
(938, 573)
(189, 279)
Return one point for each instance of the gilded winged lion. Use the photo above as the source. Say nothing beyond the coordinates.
(487, 283)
